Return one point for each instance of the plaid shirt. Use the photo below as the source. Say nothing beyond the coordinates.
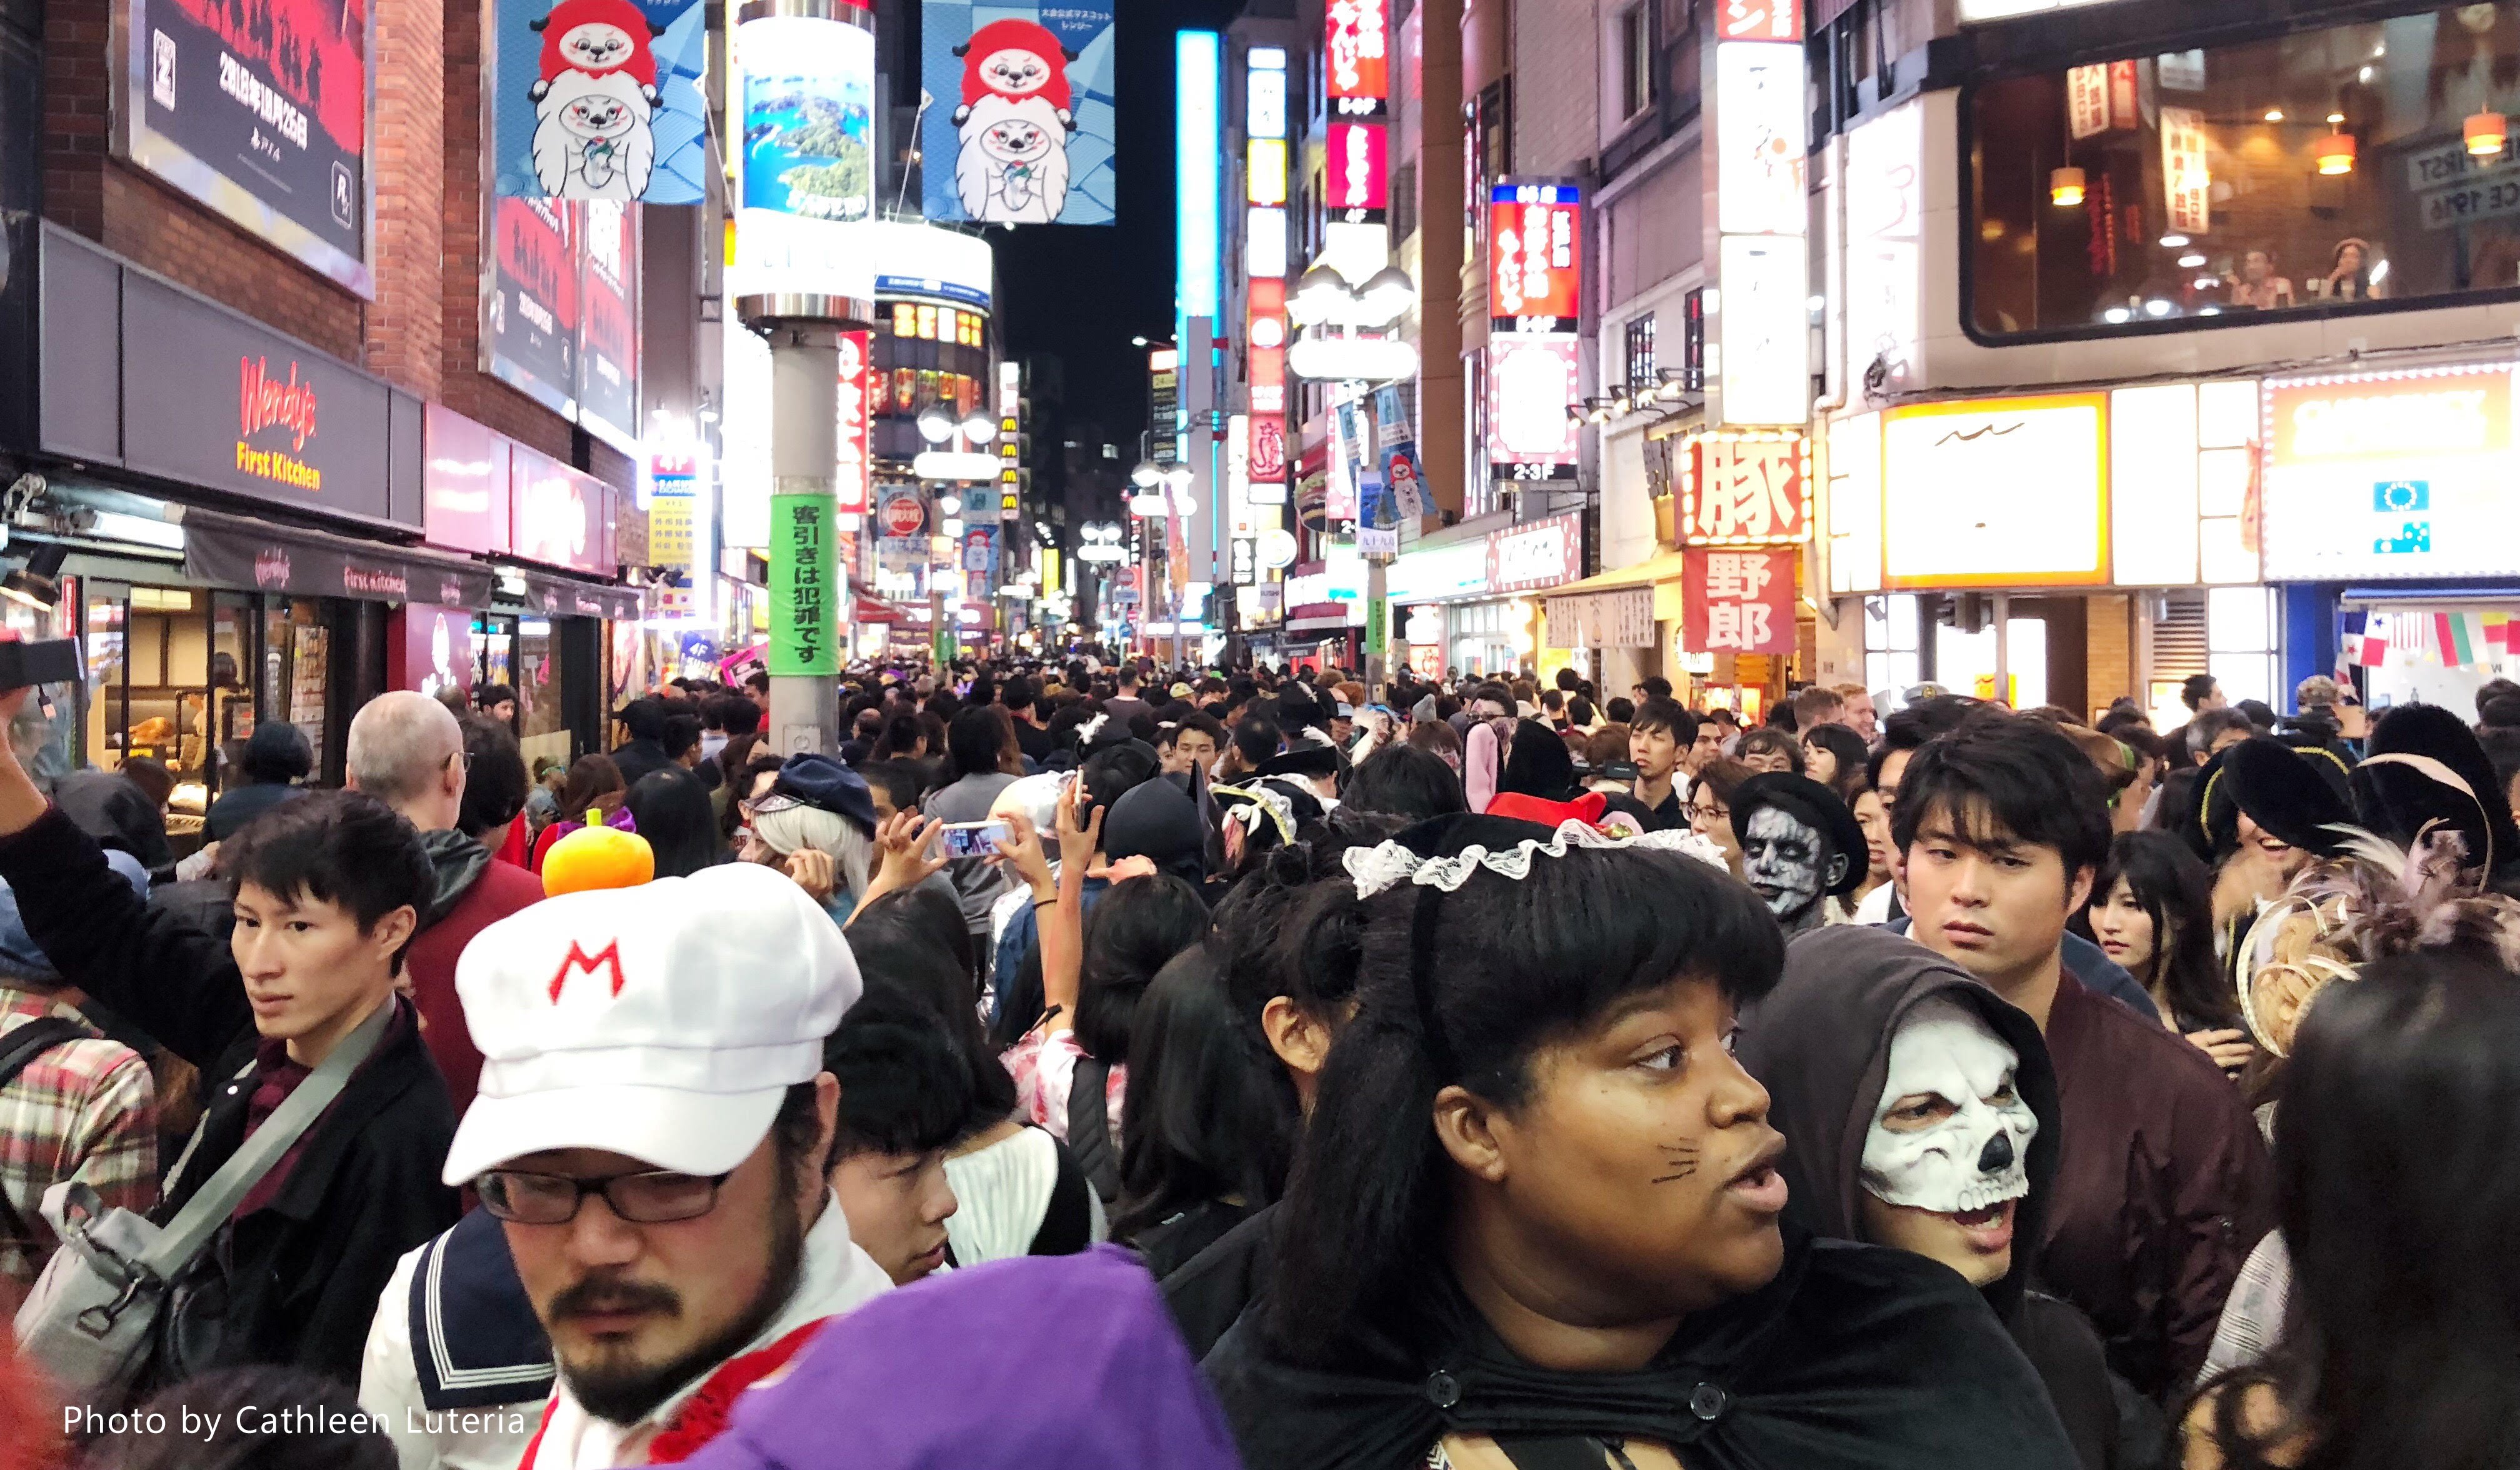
(84, 1110)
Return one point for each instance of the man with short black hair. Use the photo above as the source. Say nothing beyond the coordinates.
(1651, 687)
(905, 1095)
(2164, 1186)
(1190, 745)
(497, 701)
(1658, 737)
(1124, 705)
(2201, 692)
(1255, 742)
(329, 890)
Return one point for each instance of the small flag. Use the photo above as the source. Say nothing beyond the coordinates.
(2457, 649)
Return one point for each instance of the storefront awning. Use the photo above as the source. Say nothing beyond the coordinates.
(221, 550)
(569, 596)
(1661, 572)
(873, 610)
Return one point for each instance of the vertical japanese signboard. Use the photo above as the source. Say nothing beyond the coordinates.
(1535, 254)
(261, 113)
(2184, 173)
(850, 475)
(1737, 602)
(1009, 440)
(806, 586)
(1358, 157)
(1356, 57)
(1762, 214)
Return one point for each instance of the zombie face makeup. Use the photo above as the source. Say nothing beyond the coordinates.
(1789, 864)
(1946, 1157)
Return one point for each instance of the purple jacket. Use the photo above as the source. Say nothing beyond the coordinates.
(1040, 1363)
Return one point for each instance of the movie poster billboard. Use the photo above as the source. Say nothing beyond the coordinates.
(608, 355)
(560, 310)
(260, 109)
(529, 341)
(600, 100)
(1021, 130)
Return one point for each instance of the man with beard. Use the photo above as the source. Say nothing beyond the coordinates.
(652, 1137)
(1799, 846)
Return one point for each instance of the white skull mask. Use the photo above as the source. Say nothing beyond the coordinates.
(1970, 1148)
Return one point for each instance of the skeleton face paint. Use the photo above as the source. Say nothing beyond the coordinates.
(1787, 862)
(1951, 1133)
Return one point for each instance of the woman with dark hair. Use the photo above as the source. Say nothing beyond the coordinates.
(1072, 1070)
(494, 788)
(593, 783)
(2152, 912)
(1404, 780)
(673, 815)
(2397, 1196)
(1835, 756)
(1710, 806)
(1205, 1147)
(1535, 1213)
(277, 756)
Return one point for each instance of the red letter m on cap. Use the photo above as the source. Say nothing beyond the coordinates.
(579, 959)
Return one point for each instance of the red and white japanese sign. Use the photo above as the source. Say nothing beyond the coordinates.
(1531, 380)
(1535, 254)
(1357, 166)
(1737, 602)
(1746, 490)
(1759, 21)
(1357, 53)
(850, 475)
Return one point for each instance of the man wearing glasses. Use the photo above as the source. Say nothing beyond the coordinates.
(651, 1139)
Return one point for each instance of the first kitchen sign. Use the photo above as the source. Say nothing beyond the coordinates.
(214, 400)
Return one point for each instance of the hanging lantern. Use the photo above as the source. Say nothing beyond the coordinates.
(2487, 132)
(2065, 188)
(2336, 153)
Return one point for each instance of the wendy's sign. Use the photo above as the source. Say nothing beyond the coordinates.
(213, 399)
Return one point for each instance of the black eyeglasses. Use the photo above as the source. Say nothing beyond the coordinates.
(656, 1197)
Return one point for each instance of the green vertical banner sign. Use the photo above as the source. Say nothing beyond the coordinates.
(806, 585)
(1376, 626)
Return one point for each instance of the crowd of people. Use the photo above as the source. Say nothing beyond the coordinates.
(1089, 1063)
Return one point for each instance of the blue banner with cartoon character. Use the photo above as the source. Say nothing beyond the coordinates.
(600, 100)
(1019, 126)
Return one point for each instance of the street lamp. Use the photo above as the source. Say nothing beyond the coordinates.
(936, 423)
(979, 429)
(1146, 475)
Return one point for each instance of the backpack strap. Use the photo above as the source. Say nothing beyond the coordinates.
(19, 1051)
(1067, 1221)
(1088, 1128)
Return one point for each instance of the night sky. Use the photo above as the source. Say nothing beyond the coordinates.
(1081, 293)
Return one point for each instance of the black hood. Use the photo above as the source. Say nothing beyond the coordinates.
(458, 863)
(1820, 1043)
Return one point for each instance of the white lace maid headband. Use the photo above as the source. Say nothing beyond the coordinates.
(1379, 869)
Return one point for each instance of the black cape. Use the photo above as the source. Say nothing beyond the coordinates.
(1854, 1356)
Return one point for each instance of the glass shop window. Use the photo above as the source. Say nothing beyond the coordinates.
(2362, 163)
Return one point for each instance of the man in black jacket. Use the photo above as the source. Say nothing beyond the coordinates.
(329, 893)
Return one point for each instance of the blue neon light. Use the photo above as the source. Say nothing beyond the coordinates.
(1199, 177)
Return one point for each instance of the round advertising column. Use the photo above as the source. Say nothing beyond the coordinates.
(800, 275)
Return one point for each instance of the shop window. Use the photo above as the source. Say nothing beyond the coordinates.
(1642, 367)
(1890, 642)
(541, 727)
(2240, 643)
(2344, 168)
